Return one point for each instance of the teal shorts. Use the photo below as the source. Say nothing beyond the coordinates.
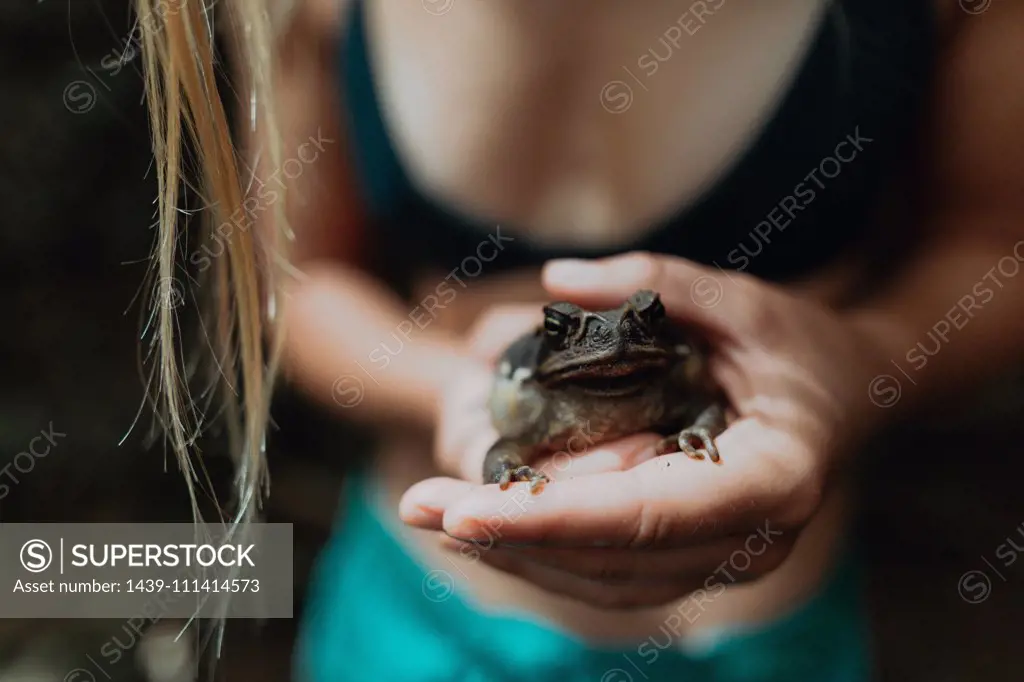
(374, 614)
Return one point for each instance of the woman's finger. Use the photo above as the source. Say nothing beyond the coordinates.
(580, 458)
(725, 303)
(500, 326)
(764, 477)
(423, 504)
(601, 595)
(738, 559)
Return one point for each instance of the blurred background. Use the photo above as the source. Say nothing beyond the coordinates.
(75, 234)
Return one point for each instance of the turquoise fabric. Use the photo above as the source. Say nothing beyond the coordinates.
(375, 614)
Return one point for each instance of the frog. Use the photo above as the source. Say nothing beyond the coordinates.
(608, 374)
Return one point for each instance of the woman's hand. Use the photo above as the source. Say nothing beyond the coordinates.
(464, 431)
(642, 530)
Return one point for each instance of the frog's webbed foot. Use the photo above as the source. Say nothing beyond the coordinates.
(535, 478)
(505, 465)
(697, 441)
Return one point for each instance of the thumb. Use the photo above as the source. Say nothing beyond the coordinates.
(725, 303)
(500, 326)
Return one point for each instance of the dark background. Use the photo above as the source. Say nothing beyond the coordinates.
(940, 495)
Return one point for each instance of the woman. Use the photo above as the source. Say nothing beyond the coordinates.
(467, 143)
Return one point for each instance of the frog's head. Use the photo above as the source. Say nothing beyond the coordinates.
(609, 352)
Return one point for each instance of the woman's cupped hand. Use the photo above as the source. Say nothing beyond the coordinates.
(618, 526)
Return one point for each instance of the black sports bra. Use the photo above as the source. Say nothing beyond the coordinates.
(797, 196)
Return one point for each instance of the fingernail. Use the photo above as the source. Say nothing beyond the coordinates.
(420, 515)
(617, 271)
(571, 272)
(470, 530)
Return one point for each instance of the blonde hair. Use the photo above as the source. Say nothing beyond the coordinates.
(240, 291)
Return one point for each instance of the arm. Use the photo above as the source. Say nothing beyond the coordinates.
(337, 315)
(794, 369)
(964, 292)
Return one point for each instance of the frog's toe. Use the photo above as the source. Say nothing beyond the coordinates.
(696, 442)
(526, 474)
(667, 446)
(522, 473)
(505, 479)
(690, 451)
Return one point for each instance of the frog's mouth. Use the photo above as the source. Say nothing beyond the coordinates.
(613, 378)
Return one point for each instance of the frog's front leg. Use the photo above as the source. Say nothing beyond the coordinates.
(698, 440)
(505, 463)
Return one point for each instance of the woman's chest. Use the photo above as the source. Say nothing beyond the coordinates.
(580, 124)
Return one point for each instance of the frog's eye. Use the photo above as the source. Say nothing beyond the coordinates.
(559, 321)
(649, 305)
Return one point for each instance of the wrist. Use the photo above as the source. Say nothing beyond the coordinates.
(888, 379)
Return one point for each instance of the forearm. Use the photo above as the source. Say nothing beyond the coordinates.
(339, 324)
(355, 347)
(956, 313)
